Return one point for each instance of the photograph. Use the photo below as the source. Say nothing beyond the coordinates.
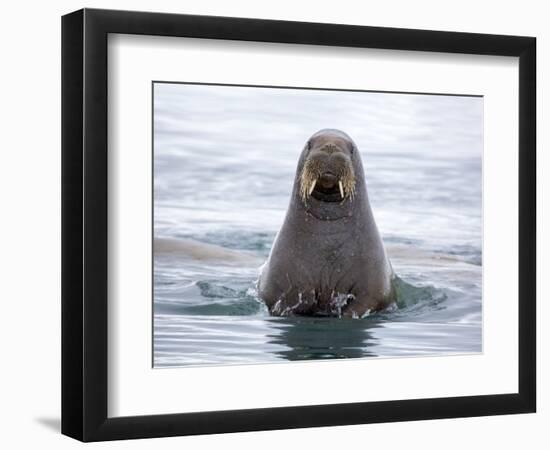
(301, 224)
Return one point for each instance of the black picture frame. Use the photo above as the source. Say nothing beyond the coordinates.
(84, 224)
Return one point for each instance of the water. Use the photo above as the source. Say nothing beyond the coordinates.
(225, 159)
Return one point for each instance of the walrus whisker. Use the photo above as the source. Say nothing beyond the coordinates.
(341, 188)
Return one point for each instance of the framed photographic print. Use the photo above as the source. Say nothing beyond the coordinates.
(272, 224)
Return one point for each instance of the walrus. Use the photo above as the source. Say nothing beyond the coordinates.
(328, 258)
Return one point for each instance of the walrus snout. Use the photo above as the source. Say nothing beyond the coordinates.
(328, 175)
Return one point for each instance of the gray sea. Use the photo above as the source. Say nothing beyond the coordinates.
(224, 164)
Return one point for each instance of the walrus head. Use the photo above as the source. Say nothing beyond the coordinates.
(329, 182)
(327, 172)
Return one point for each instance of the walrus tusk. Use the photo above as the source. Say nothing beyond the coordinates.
(341, 189)
(312, 187)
